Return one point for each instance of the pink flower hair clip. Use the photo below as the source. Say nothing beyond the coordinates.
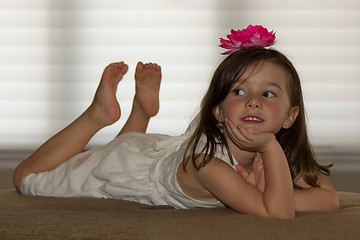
(252, 36)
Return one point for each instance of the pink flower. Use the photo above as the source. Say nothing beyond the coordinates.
(252, 36)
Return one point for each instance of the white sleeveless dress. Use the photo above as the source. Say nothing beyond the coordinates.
(134, 166)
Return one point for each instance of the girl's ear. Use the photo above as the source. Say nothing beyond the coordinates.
(293, 113)
(217, 111)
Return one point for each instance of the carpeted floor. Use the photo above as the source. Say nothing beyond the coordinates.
(24, 217)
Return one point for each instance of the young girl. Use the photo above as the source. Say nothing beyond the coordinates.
(247, 149)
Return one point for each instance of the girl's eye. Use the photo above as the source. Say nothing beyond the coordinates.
(239, 92)
(269, 94)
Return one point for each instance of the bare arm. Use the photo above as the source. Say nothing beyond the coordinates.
(278, 185)
(323, 198)
(228, 186)
(278, 194)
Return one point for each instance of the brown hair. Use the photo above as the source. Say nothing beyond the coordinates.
(294, 140)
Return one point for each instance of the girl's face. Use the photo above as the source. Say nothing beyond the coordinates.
(259, 101)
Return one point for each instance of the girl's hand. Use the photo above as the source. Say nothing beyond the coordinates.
(257, 176)
(248, 141)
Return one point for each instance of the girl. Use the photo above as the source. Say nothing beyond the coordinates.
(247, 149)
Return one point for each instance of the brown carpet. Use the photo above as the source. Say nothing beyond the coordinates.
(23, 217)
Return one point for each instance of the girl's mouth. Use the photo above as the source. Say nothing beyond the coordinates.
(252, 119)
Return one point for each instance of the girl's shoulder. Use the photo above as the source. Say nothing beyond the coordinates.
(195, 182)
(215, 167)
(219, 153)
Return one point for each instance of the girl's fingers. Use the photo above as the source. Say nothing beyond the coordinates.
(258, 164)
(234, 132)
(242, 171)
(248, 136)
(258, 158)
(240, 132)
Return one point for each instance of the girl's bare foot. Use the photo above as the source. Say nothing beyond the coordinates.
(105, 109)
(147, 79)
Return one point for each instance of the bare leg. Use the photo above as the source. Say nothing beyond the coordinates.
(146, 100)
(103, 111)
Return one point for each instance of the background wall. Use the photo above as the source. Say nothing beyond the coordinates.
(52, 54)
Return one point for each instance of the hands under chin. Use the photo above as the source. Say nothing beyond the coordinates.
(247, 141)
(257, 175)
(251, 142)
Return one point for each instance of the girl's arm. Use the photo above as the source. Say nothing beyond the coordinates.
(229, 187)
(323, 198)
(278, 194)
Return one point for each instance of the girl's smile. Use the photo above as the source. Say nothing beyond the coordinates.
(252, 120)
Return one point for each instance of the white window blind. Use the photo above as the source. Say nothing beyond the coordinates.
(52, 54)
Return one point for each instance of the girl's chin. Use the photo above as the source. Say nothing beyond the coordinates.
(252, 130)
(255, 130)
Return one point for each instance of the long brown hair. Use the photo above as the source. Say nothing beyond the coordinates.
(294, 140)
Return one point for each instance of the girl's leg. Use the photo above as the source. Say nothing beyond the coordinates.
(146, 100)
(103, 111)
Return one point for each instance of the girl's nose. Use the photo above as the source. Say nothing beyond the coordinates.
(253, 103)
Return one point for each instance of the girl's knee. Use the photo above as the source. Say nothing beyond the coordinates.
(18, 176)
